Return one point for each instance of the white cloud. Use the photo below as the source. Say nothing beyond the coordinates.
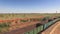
(18, 10)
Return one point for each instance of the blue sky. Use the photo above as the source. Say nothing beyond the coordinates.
(29, 6)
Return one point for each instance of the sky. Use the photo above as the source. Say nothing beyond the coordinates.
(29, 6)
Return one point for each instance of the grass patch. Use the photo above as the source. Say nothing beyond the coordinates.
(4, 27)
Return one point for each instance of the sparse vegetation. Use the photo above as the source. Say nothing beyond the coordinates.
(4, 26)
(24, 20)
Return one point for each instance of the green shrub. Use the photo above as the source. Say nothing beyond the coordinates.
(45, 18)
(32, 19)
(4, 26)
(24, 20)
(35, 19)
(39, 19)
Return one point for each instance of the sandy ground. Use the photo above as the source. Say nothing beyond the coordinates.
(54, 29)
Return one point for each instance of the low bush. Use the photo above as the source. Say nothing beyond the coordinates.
(24, 20)
(50, 19)
(35, 19)
(4, 26)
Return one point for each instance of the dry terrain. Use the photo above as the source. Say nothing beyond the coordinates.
(54, 29)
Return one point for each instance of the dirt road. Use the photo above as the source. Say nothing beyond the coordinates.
(54, 29)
